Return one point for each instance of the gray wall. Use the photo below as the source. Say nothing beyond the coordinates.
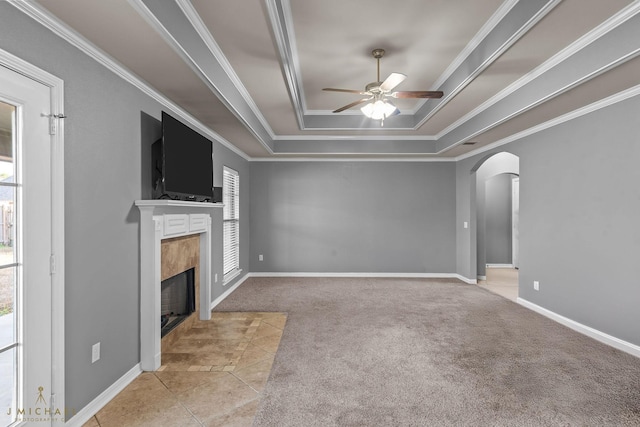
(579, 202)
(103, 177)
(353, 217)
(498, 213)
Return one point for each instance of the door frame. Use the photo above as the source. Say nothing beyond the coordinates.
(515, 221)
(56, 88)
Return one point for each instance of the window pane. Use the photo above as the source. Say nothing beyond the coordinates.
(231, 214)
(7, 140)
(7, 182)
(7, 224)
(7, 307)
(7, 386)
(8, 369)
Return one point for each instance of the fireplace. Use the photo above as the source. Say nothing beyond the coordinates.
(177, 300)
(175, 236)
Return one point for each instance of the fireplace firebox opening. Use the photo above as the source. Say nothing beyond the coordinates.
(177, 300)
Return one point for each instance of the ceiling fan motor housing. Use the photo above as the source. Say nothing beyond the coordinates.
(377, 53)
(373, 87)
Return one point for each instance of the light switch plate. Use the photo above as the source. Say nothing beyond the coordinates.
(95, 352)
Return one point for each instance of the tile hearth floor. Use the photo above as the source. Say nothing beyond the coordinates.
(212, 376)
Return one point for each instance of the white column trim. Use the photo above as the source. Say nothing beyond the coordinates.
(205, 273)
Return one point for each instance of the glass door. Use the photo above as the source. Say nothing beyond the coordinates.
(9, 267)
(25, 251)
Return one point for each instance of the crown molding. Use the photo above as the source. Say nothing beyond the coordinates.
(541, 13)
(49, 21)
(355, 159)
(610, 24)
(595, 106)
(527, 13)
(283, 34)
(549, 96)
(169, 20)
(45, 18)
(491, 23)
(598, 105)
(583, 42)
(486, 29)
(194, 18)
(355, 137)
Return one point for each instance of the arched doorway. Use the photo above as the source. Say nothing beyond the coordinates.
(494, 215)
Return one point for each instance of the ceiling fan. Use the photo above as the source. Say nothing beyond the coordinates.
(379, 107)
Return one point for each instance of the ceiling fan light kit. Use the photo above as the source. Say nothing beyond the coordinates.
(378, 107)
(379, 110)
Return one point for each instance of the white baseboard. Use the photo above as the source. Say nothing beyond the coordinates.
(482, 277)
(103, 398)
(380, 275)
(466, 279)
(625, 346)
(500, 266)
(228, 291)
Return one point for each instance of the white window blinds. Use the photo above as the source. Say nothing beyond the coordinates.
(231, 219)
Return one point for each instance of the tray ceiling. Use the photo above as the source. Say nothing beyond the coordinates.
(251, 73)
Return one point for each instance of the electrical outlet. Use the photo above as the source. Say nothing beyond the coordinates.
(95, 352)
(215, 278)
(466, 224)
(260, 257)
(536, 285)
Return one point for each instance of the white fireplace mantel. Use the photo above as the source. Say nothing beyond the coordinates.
(164, 219)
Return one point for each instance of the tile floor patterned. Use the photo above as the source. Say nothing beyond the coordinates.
(212, 376)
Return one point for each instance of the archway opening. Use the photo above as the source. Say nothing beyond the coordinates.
(495, 215)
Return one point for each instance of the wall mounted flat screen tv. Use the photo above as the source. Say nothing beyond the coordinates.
(182, 163)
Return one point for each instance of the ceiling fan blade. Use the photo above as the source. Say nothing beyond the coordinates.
(353, 104)
(418, 94)
(331, 89)
(392, 81)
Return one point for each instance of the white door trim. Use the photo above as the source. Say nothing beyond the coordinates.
(515, 222)
(56, 87)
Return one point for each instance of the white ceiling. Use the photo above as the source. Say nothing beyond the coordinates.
(252, 71)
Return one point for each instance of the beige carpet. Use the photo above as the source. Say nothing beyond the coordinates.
(401, 352)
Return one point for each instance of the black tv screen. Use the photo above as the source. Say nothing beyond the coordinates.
(187, 163)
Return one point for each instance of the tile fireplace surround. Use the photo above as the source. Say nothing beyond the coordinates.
(161, 220)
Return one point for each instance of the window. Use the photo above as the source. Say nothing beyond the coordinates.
(231, 219)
